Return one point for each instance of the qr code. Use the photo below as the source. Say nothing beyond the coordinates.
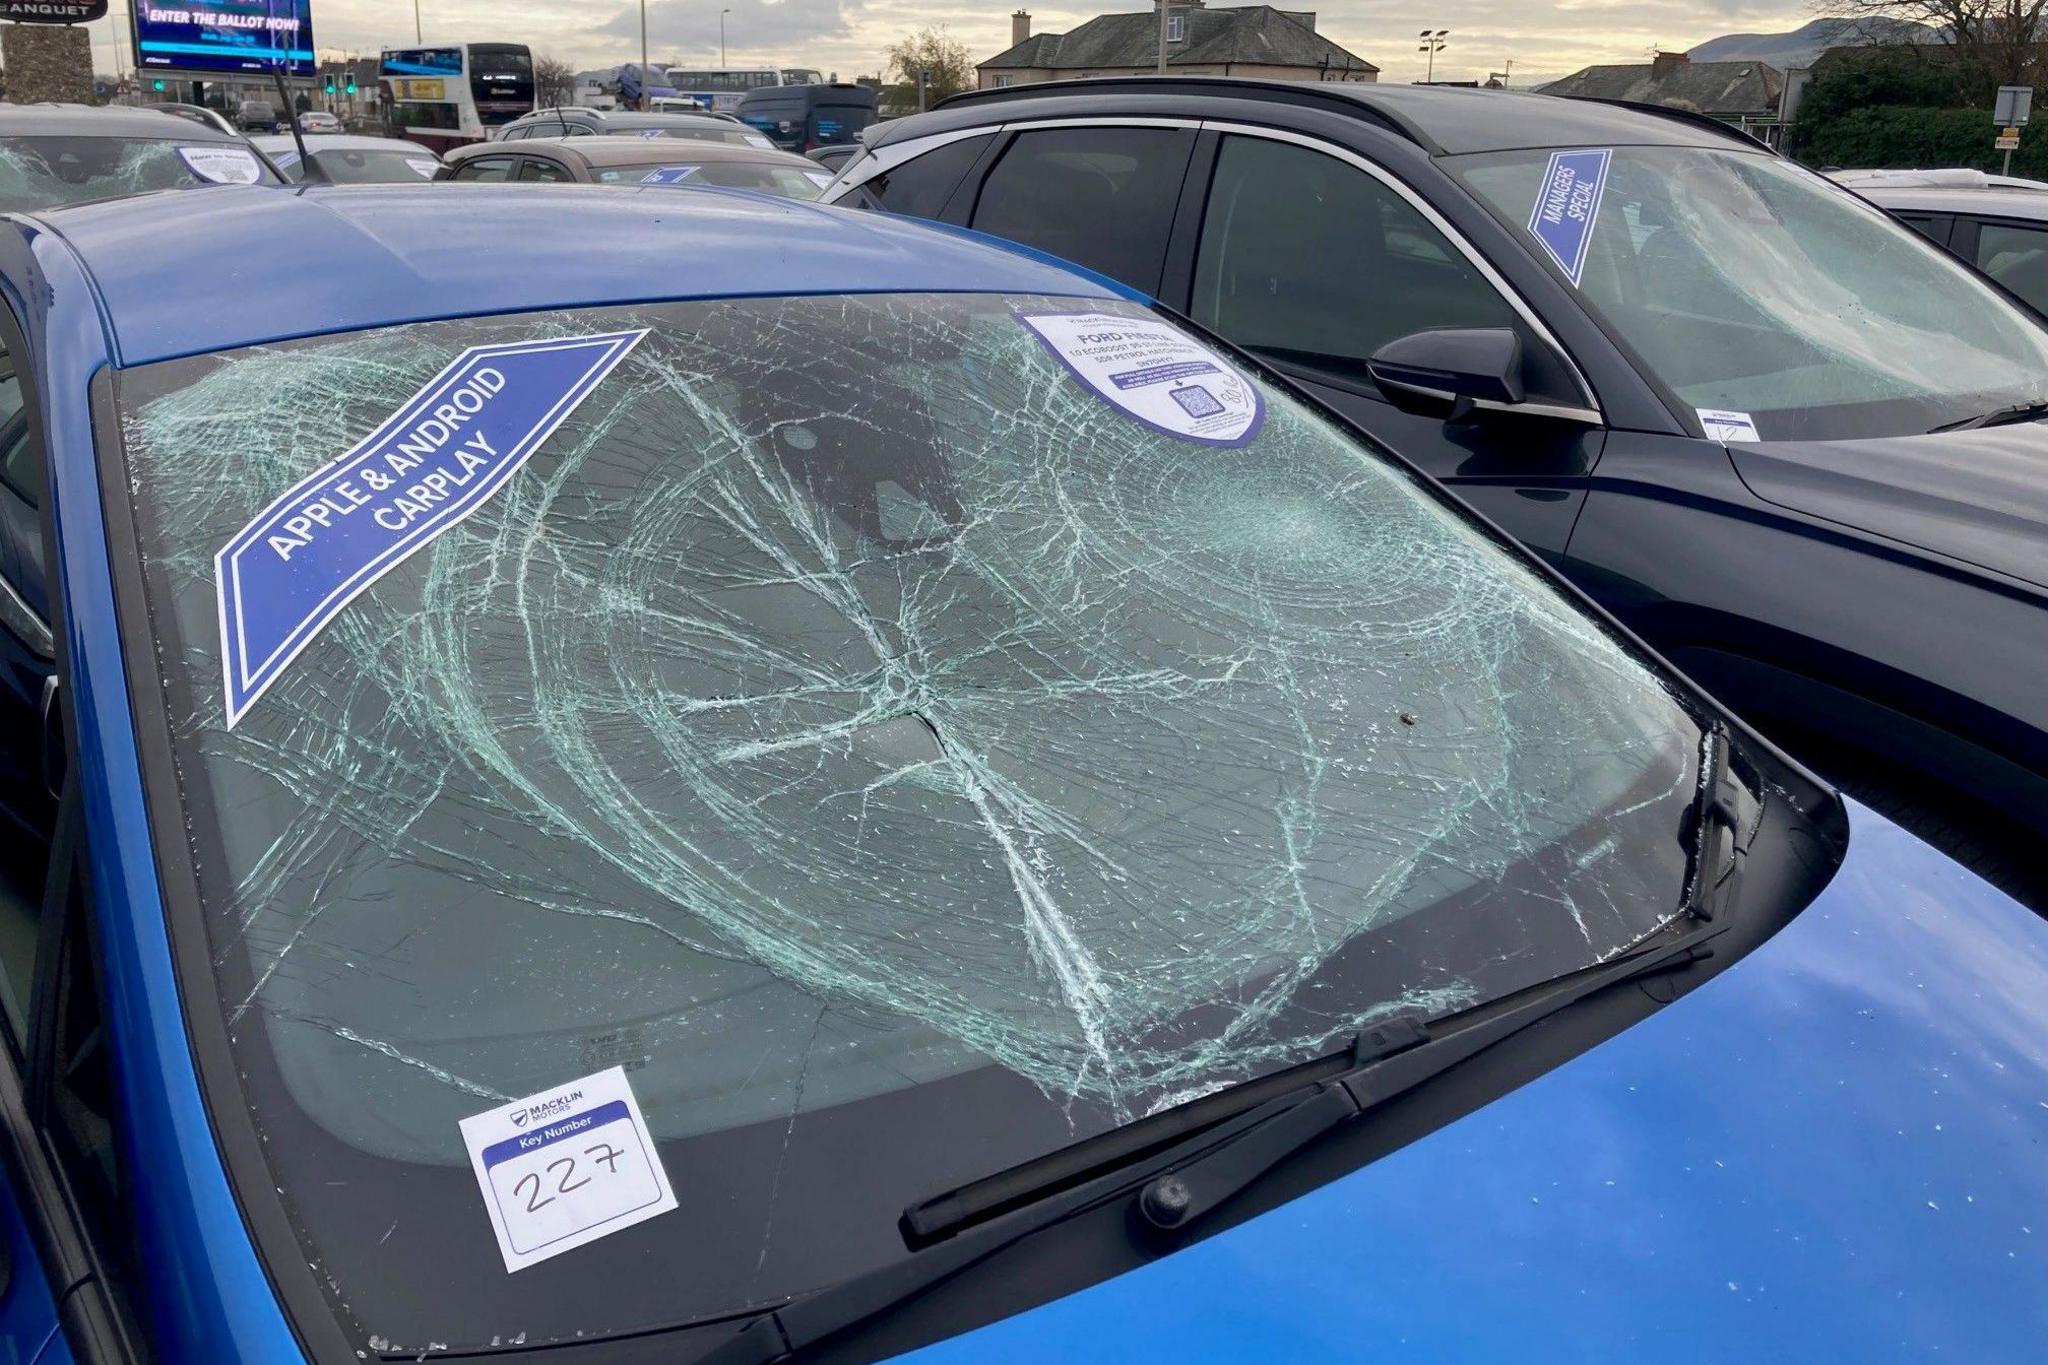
(1197, 401)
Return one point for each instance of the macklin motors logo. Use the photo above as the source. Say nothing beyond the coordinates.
(545, 1110)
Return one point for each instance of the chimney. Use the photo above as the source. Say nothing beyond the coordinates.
(1020, 26)
(1665, 65)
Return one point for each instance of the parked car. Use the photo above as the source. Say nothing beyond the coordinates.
(834, 156)
(635, 161)
(1023, 776)
(258, 116)
(197, 113)
(318, 121)
(803, 118)
(2000, 226)
(345, 159)
(70, 154)
(572, 122)
(1784, 440)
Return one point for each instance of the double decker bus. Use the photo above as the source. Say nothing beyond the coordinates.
(720, 90)
(464, 92)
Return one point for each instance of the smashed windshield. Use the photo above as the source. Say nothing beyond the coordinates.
(1753, 288)
(44, 172)
(902, 737)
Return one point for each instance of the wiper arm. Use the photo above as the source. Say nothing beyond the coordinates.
(1240, 1134)
(1997, 417)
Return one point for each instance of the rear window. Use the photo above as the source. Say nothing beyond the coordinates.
(900, 735)
(45, 172)
(791, 182)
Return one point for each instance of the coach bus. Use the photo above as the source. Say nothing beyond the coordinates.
(720, 90)
(461, 93)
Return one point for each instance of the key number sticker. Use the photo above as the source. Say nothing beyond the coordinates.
(560, 1169)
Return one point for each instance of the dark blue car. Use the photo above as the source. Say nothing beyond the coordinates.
(1792, 445)
(793, 783)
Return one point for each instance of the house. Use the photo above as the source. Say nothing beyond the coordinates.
(1740, 92)
(1241, 40)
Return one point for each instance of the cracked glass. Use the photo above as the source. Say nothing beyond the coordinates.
(896, 757)
(51, 171)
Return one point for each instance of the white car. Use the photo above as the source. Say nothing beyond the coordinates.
(1998, 223)
(347, 160)
(319, 121)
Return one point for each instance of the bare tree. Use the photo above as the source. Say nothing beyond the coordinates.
(1991, 42)
(944, 56)
(554, 81)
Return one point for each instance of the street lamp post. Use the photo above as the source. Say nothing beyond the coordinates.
(417, 35)
(1432, 43)
(646, 101)
(721, 38)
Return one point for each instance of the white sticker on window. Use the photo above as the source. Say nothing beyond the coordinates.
(284, 161)
(819, 178)
(1723, 425)
(565, 1167)
(1156, 374)
(424, 167)
(223, 165)
(756, 140)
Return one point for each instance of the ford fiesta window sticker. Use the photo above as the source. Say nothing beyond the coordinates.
(423, 167)
(222, 165)
(560, 1169)
(432, 463)
(1567, 206)
(1724, 426)
(1156, 374)
(668, 175)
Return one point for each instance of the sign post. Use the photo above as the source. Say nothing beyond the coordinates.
(2009, 114)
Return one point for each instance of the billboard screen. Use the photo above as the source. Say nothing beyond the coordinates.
(225, 36)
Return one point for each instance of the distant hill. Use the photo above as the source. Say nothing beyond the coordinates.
(1803, 44)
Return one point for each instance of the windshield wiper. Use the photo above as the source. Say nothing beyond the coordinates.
(1187, 1162)
(1997, 417)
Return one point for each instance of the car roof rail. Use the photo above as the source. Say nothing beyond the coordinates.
(1687, 116)
(1343, 96)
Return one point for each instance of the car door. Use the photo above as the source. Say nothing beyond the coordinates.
(2013, 252)
(64, 1191)
(1313, 258)
(1099, 195)
(485, 169)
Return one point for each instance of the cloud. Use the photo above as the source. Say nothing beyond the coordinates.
(777, 30)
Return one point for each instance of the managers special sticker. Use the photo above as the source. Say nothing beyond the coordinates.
(1156, 374)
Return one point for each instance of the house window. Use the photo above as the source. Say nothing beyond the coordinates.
(1176, 28)
(998, 82)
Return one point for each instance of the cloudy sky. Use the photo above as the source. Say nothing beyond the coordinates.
(1544, 39)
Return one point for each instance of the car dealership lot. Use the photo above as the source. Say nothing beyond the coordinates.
(644, 769)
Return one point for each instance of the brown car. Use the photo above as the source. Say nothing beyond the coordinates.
(639, 161)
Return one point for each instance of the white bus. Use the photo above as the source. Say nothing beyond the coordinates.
(720, 90)
(449, 96)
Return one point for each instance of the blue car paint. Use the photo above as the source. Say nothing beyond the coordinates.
(388, 254)
(211, 1295)
(1778, 1184)
(28, 1313)
(1831, 1151)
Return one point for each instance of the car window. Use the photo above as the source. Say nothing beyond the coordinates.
(942, 741)
(46, 171)
(2017, 257)
(1099, 197)
(484, 168)
(515, 134)
(921, 186)
(25, 650)
(1746, 284)
(790, 182)
(541, 169)
(375, 165)
(1307, 258)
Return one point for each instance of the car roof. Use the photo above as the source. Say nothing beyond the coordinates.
(85, 120)
(1949, 178)
(391, 254)
(637, 151)
(1988, 203)
(624, 118)
(1443, 120)
(272, 143)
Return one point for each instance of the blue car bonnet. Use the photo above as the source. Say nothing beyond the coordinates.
(1830, 1151)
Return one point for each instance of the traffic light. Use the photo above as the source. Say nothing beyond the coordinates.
(351, 86)
(330, 87)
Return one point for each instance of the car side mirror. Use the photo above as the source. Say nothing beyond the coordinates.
(1448, 370)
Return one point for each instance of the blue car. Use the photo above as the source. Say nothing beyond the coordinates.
(797, 784)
